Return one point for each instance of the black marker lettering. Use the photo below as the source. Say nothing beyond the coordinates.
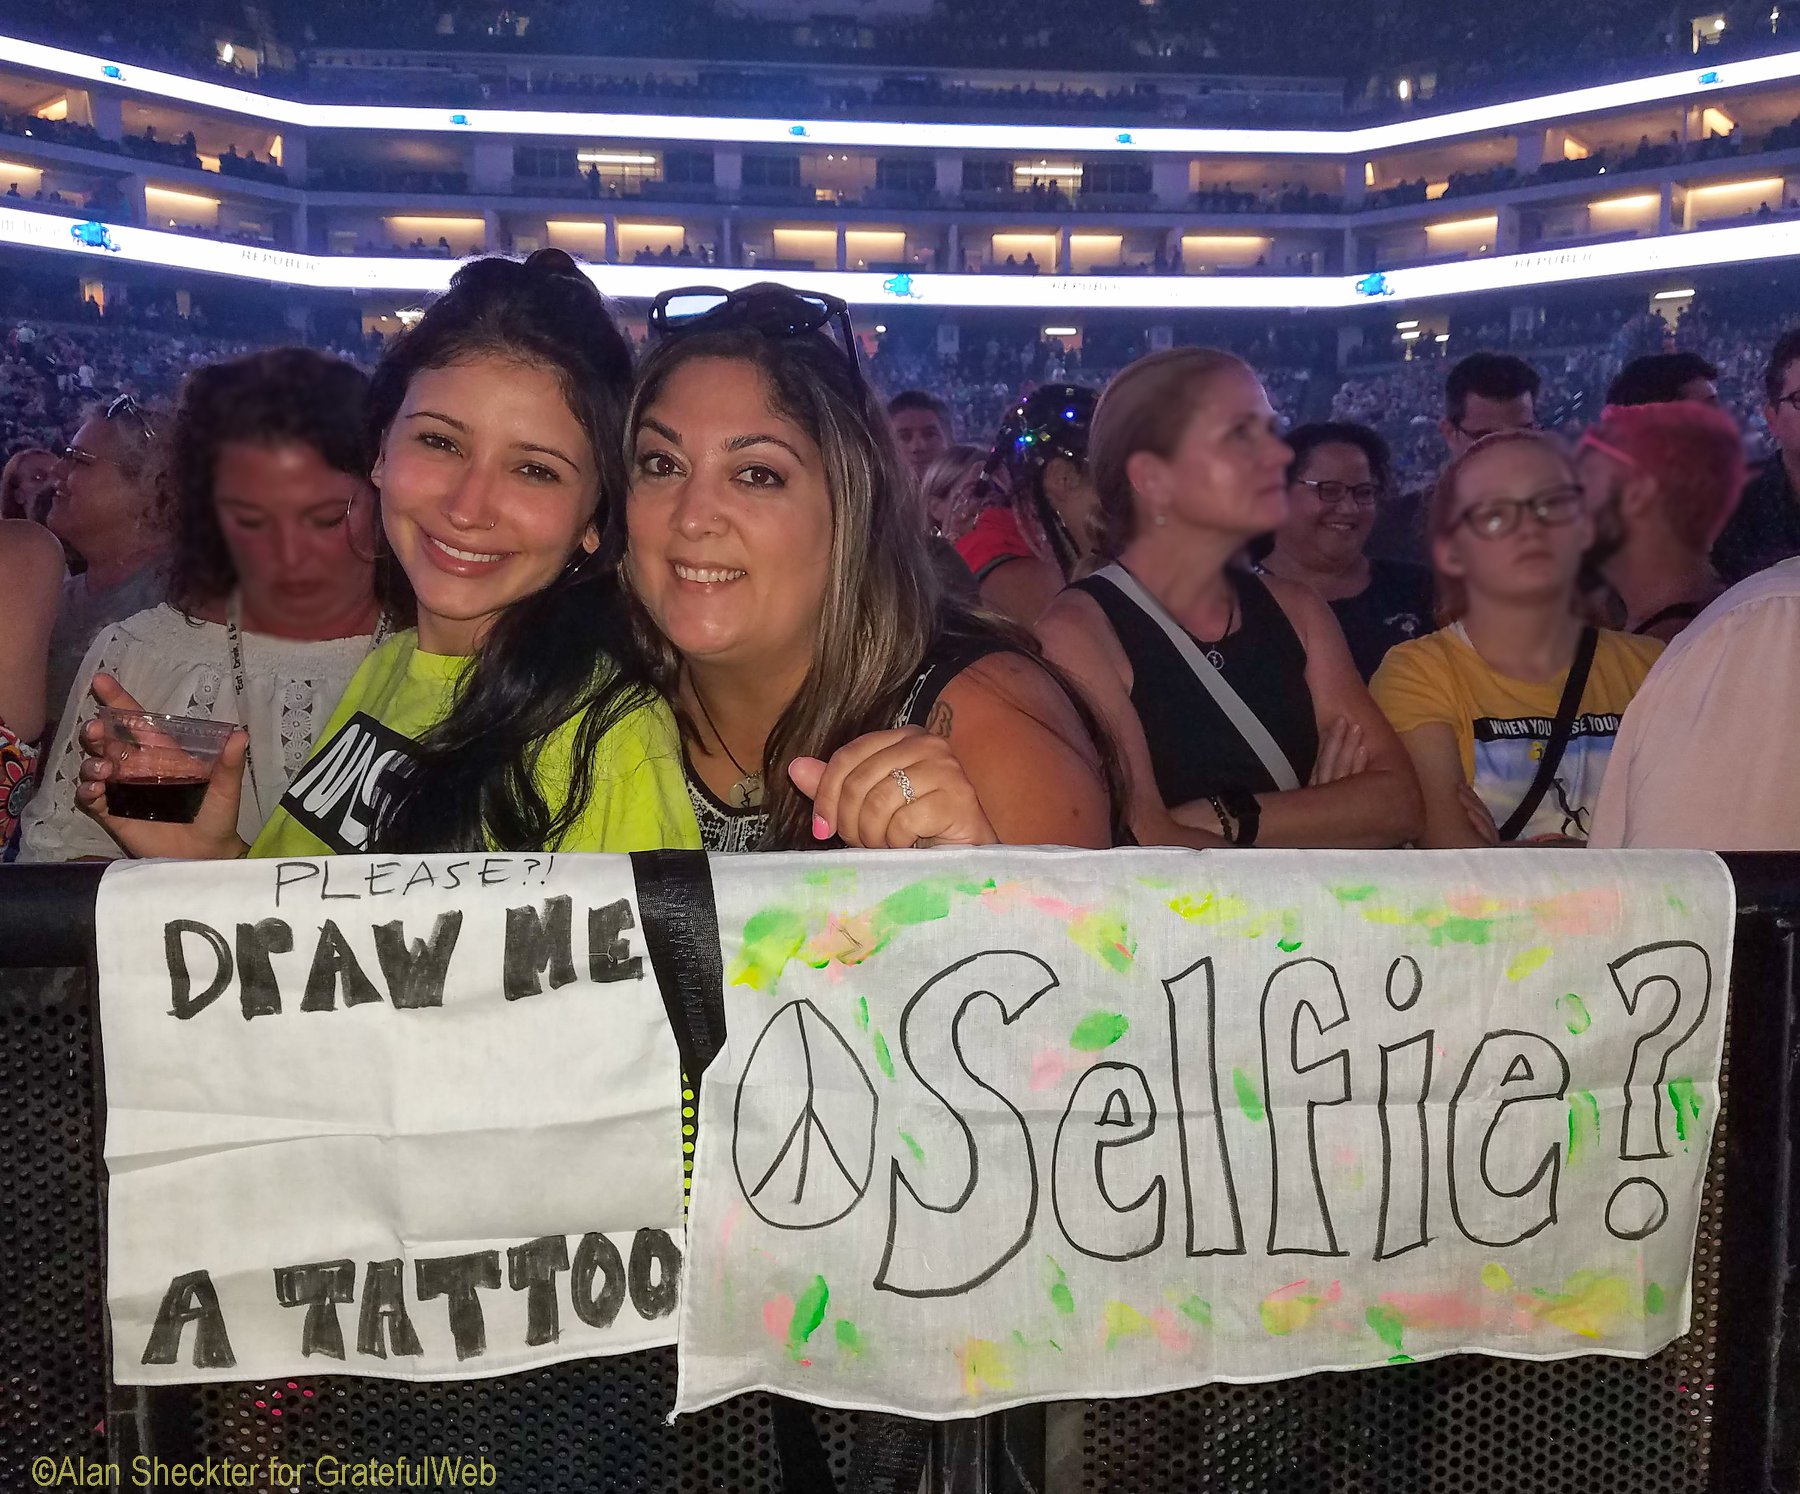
(380, 871)
(531, 1268)
(1079, 1196)
(460, 1278)
(415, 972)
(609, 951)
(597, 1256)
(654, 1274)
(190, 1299)
(334, 964)
(1301, 991)
(1205, 1161)
(1405, 1144)
(318, 1287)
(1506, 1070)
(384, 1301)
(183, 1003)
(258, 989)
(537, 943)
(292, 874)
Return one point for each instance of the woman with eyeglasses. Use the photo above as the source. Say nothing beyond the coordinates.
(31, 576)
(1336, 482)
(105, 510)
(502, 720)
(264, 483)
(1510, 710)
(776, 565)
(1036, 528)
(1238, 711)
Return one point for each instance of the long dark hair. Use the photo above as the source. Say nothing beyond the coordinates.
(549, 657)
(883, 613)
(274, 396)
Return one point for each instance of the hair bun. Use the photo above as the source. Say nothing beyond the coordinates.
(555, 264)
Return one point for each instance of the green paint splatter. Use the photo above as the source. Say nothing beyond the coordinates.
(1359, 894)
(1249, 1101)
(1122, 1321)
(1390, 1328)
(771, 938)
(1020, 1340)
(913, 1146)
(849, 1339)
(1054, 1344)
(1057, 1284)
(862, 1012)
(883, 1057)
(1106, 938)
(1496, 1278)
(1530, 960)
(1654, 1301)
(1196, 1308)
(1584, 1121)
(1687, 1105)
(1287, 946)
(1677, 904)
(1098, 1030)
(809, 1312)
(1574, 1013)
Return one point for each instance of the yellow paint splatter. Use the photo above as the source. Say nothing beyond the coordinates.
(1530, 960)
(1209, 908)
(1591, 1305)
(1496, 1278)
(1122, 1321)
(1292, 1307)
(983, 1367)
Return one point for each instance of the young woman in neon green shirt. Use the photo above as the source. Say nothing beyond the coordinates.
(500, 721)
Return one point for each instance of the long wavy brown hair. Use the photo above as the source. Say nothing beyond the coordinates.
(882, 613)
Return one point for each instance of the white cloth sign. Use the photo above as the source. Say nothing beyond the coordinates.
(413, 1117)
(1041, 1124)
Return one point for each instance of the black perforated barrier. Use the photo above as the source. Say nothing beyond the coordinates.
(1718, 1413)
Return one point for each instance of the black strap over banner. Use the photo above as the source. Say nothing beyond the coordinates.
(681, 934)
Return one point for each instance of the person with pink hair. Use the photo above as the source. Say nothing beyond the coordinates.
(1662, 481)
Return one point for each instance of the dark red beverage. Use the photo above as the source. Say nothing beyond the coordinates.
(174, 800)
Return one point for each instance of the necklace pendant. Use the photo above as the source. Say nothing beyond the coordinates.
(747, 792)
(1215, 658)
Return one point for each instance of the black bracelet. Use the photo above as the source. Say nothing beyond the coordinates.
(1226, 826)
(1243, 807)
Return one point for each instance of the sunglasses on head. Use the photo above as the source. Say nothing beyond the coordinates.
(127, 405)
(770, 310)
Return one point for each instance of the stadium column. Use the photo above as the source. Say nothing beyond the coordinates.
(953, 260)
(949, 177)
(1064, 261)
(727, 241)
(1506, 230)
(1171, 181)
(131, 188)
(491, 165)
(1528, 151)
(106, 113)
(728, 170)
(1665, 208)
(612, 238)
(293, 155)
(493, 240)
(1356, 177)
(843, 248)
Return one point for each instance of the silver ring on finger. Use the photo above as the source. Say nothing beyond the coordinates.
(906, 788)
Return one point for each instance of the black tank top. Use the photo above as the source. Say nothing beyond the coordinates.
(1194, 748)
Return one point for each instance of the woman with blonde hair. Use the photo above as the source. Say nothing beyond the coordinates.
(1233, 698)
(1509, 711)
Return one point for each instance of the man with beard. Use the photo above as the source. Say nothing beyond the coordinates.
(1662, 481)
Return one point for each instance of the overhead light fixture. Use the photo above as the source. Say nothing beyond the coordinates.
(1636, 200)
(614, 158)
(880, 327)
(1062, 331)
(1675, 295)
(1760, 184)
(1404, 326)
(1490, 220)
(1412, 336)
(1441, 337)
(1061, 173)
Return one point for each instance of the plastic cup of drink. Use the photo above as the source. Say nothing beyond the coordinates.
(160, 763)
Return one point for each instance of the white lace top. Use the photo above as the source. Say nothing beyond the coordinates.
(170, 664)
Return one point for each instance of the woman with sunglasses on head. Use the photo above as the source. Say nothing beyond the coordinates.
(1237, 708)
(501, 721)
(1510, 710)
(264, 485)
(1336, 480)
(776, 563)
(1036, 528)
(105, 510)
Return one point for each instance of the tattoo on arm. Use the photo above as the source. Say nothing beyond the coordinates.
(938, 722)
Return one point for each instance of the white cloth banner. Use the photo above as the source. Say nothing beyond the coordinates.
(1040, 1124)
(412, 1117)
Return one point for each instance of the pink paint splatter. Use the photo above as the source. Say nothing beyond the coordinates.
(778, 1312)
(1047, 1069)
(1593, 910)
(1452, 1312)
(1169, 1332)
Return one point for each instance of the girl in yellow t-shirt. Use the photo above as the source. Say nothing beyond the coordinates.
(1475, 703)
(502, 720)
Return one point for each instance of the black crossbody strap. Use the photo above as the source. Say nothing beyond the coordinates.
(1560, 731)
